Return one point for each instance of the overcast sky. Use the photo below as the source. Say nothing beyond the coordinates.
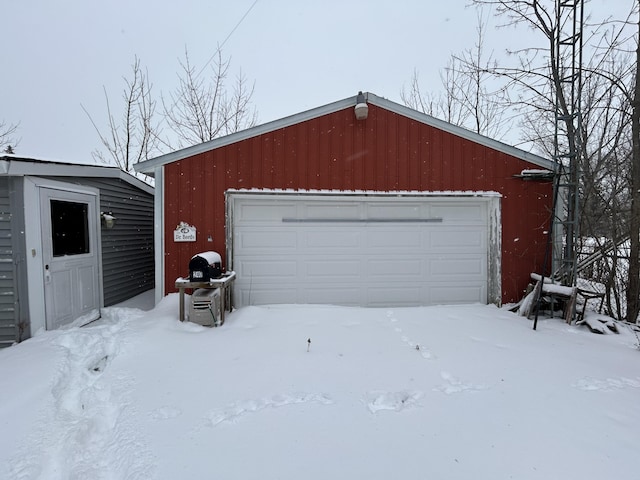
(58, 55)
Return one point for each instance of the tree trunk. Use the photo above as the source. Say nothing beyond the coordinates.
(633, 290)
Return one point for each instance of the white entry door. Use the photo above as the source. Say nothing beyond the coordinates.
(70, 267)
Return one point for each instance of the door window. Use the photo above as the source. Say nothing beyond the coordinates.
(69, 228)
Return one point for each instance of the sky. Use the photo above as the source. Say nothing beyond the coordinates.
(316, 392)
(61, 56)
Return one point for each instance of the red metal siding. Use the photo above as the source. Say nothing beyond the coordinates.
(386, 152)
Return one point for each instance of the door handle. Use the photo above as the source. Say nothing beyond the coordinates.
(47, 274)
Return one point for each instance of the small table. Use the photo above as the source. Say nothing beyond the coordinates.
(222, 283)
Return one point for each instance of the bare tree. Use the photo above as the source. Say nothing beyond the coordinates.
(440, 105)
(633, 291)
(7, 141)
(131, 135)
(467, 100)
(610, 119)
(201, 108)
(604, 191)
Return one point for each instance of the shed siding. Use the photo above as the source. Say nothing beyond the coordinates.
(8, 323)
(127, 248)
(386, 152)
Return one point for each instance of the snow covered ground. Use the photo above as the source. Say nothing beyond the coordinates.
(455, 392)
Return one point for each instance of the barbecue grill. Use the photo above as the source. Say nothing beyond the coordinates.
(205, 307)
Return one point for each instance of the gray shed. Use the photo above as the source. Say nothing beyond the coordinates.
(73, 239)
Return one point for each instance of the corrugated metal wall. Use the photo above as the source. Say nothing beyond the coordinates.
(386, 152)
(127, 248)
(8, 317)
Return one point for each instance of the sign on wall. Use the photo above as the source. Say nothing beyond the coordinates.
(184, 233)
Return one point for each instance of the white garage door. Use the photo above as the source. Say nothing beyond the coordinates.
(373, 250)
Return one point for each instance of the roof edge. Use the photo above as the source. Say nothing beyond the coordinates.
(462, 132)
(20, 166)
(151, 164)
(148, 166)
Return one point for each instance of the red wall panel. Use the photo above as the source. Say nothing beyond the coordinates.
(385, 152)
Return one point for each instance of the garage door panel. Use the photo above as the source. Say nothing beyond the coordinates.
(331, 237)
(329, 211)
(399, 296)
(254, 211)
(334, 294)
(401, 269)
(335, 268)
(363, 257)
(456, 293)
(274, 294)
(264, 268)
(387, 210)
(472, 266)
(448, 239)
(279, 239)
(468, 213)
(392, 239)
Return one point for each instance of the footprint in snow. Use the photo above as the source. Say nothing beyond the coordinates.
(606, 385)
(237, 410)
(395, 401)
(454, 385)
(99, 365)
(424, 352)
(165, 413)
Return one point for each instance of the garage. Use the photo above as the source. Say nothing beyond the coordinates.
(365, 249)
(328, 206)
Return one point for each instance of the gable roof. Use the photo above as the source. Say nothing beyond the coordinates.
(148, 166)
(13, 165)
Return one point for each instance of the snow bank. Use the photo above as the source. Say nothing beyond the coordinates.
(453, 392)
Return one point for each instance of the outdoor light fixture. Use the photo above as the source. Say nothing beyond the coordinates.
(108, 220)
(362, 109)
